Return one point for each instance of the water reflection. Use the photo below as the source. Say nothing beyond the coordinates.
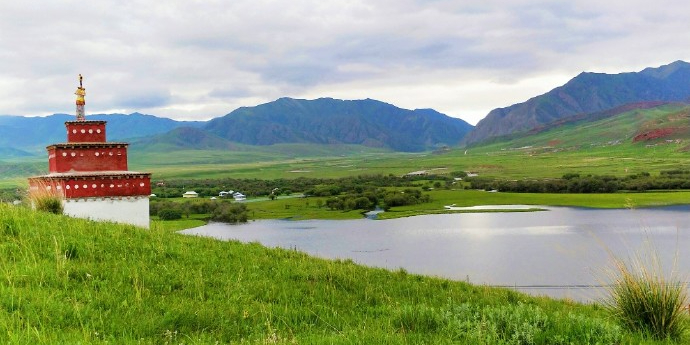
(558, 252)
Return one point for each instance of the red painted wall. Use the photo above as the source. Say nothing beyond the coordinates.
(95, 186)
(107, 157)
(85, 131)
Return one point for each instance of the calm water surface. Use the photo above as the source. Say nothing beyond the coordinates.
(560, 252)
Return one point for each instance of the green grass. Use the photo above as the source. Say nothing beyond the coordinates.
(490, 161)
(266, 162)
(461, 198)
(74, 281)
(298, 208)
(194, 220)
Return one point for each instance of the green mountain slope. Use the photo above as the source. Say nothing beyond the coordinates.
(9, 152)
(584, 94)
(184, 138)
(329, 121)
(663, 124)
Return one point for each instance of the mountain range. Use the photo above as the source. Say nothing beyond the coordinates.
(587, 93)
(585, 98)
(26, 136)
(330, 121)
(322, 121)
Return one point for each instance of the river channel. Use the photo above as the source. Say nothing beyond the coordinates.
(560, 252)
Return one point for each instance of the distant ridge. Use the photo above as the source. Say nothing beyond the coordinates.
(587, 93)
(32, 134)
(187, 138)
(326, 121)
(331, 121)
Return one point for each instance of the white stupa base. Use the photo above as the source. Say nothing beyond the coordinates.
(128, 210)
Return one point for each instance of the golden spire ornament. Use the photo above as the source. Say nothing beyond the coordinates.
(81, 92)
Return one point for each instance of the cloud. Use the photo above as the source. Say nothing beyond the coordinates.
(197, 60)
(144, 100)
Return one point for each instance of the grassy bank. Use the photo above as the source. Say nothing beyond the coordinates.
(296, 208)
(308, 208)
(462, 198)
(74, 281)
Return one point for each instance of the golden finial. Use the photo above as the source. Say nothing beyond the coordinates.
(81, 92)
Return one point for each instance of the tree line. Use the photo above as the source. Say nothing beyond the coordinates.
(369, 199)
(575, 183)
(11, 194)
(308, 186)
(364, 192)
(218, 210)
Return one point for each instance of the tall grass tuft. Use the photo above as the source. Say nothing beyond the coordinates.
(644, 300)
(45, 197)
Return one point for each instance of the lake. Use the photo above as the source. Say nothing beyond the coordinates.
(559, 252)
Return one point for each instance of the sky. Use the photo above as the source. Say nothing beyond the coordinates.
(196, 60)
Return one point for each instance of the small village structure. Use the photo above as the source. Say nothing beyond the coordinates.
(190, 194)
(239, 196)
(91, 174)
(235, 195)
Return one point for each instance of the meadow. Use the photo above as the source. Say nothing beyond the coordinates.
(75, 281)
(495, 161)
(505, 160)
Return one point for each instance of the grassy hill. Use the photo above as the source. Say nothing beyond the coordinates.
(634, 128)
(584, 94)
(184, 138)
(246, 161)
(74, 281)
(14, 171)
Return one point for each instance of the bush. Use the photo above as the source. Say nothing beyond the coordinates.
(230, 213)
(643, 300)
(334, 204)
(170, 214)
(49, 204)
(46, 198)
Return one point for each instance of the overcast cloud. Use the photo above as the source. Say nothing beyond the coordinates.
(201, 59)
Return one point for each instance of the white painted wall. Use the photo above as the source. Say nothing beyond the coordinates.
(129, 210)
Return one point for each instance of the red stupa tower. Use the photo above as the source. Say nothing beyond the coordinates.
(91, 174)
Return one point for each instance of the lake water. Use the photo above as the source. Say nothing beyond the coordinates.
(560, 252)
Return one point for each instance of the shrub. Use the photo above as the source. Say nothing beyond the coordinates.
(230, 213)
(642, 299)
(44, 197)
(49, 204)
(334, 204)
(170, 214)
